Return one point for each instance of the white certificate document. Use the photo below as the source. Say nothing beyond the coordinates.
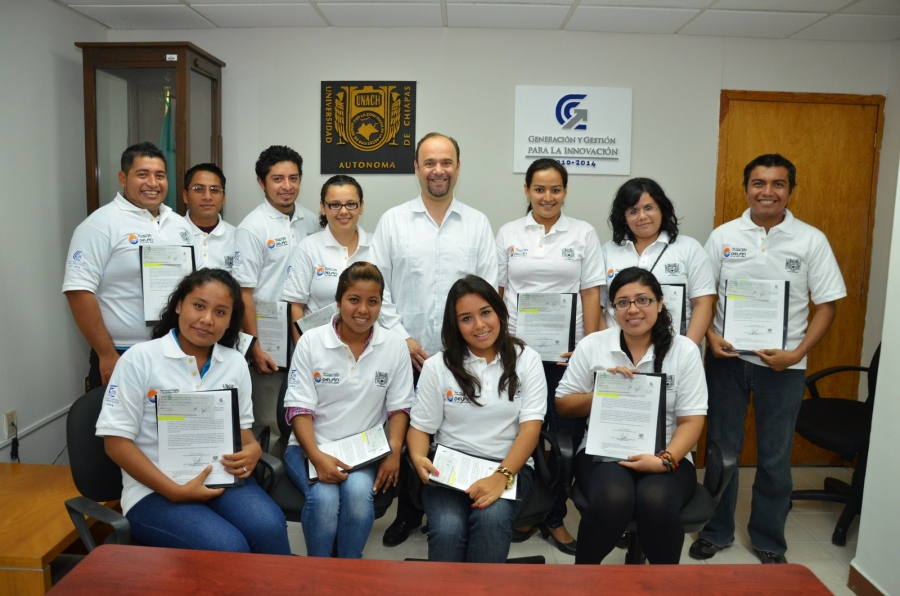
(356, 450)
(627, 415)
(756, 314)
(318, 318)
(162, 269)
(245, 342)
(460, 471)
(196, 430)
(546, 322)
(272, 330)
(673, 298)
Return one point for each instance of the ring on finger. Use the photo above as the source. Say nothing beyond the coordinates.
(245, 469)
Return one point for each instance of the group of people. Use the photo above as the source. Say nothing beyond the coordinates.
(425, 336)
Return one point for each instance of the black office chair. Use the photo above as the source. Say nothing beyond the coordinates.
(98, 478)
(841, 426)
(721, 463)
(547, 472)
(286, 494)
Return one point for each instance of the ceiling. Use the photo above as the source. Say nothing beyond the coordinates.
(831, 20)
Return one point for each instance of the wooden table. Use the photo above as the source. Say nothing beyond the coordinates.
(34, 527)
(123, 570)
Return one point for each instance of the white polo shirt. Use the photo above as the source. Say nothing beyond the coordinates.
(317, 263)
(263, 247)
(104, 259)
(566, 259)
(489, 431)
(160, 367)
(348, 395)
(792, 251)
(215, 249)
(686, 393)
(684, 262)
(420, 261)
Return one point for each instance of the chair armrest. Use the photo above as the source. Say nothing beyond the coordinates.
(78, 507)
(548, 474)
(263, 435)
(812, 379)
(721, 464)
(269, 472)
(567, 456)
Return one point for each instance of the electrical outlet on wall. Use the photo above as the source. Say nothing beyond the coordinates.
(9, 423)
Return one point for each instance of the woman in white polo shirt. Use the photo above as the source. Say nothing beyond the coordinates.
(191, 351)
(345, 378)
(645, 234)
(484, 394)
(319, 259)
(545, 251)
(651, 488)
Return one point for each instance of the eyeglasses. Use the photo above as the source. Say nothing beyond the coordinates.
(634, 212)
(640, 302)
(213, 190)
(351, 206)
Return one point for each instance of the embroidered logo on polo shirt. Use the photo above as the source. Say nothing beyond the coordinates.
(611, 273)
(151, 395)
(141, 239)
(672, 268)
(670, 383)
(734, 253)
(294, 378)
(272, 244)
(381, 379)
(227, 386)
(229, 262)
(185, 237)
(111, 399)
(568, 254)
(327, 378)
(236, 261)
(326, 272)
(76, 256)
(792, 265)
(456, 397)
(75, 262)
(517, 253)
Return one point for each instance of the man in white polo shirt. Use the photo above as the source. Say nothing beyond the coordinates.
(765, 243)
(264, 243)
(204, 195)
(102, 281)
(422, 247)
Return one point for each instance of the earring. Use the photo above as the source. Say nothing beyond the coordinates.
(177, 309)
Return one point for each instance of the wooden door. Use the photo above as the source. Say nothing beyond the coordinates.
(834, 140)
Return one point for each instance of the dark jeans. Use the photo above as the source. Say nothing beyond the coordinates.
(617, 495)
(776, 402)
(555, 423)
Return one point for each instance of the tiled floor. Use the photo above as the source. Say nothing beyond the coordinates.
(808, 534)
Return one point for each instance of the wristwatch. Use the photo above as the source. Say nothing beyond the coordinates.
(510, 479)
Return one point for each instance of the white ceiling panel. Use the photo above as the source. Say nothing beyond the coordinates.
(566, 3)
(119, 2)
(735, 23)
(382, 14)
(244, 2)
(261, 15)
(852, 27)
(649, 3)
(145, 17)
(875, 7)
(784, 5)
(506, 16)
(612, 19)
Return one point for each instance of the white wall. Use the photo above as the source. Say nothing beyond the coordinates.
(42, 195)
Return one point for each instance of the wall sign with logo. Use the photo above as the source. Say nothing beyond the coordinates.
(587, 129)
(368, 127)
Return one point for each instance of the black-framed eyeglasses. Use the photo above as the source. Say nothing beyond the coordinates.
(213, 190)
(640, 302)
(351, 206)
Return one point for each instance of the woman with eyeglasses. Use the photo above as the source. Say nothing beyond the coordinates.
(320, 258)
(651, 488)
(545, 251)
(645, 234)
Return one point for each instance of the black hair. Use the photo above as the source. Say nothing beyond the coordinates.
(628, 196)
(433, 135)
(338, 180)
(277, 154)
(772, 160)
(168, 318)
(456, 348)
(145, 149)
(203, 167)
(358, 271)
(661, 334)
(545, 163)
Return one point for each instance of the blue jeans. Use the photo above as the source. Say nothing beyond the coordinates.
(776, 401)
(243, 520)
(344, 511)
(457, 533)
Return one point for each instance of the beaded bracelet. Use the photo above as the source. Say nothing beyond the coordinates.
(668, 461)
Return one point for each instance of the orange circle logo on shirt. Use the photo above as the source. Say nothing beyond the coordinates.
(151, 395)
